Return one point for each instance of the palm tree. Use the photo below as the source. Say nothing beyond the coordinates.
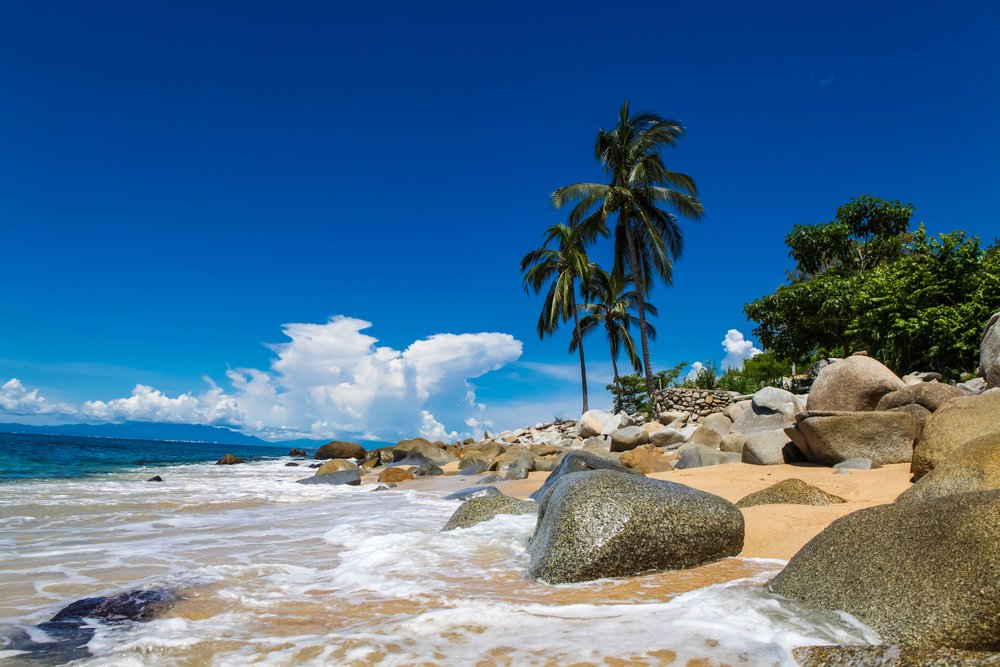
(611, 304)
(647, 236)
(563, 266)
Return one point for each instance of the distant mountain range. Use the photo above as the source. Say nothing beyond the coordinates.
(152, 431)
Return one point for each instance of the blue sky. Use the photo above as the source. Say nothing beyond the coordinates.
(178, 181)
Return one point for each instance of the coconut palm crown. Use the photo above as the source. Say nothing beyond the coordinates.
(561, 267)
(645, 196)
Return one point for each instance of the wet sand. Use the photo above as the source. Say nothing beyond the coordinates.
(772, 531)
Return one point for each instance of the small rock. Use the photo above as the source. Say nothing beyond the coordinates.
(291, 464)
(627, 438)
(696, 456)
(790, 492)
(470, 492)
(297, 452)
(856, 464)
(484, 508)
(229, 460)
(646, 458)
(395, 475)
(155, 478)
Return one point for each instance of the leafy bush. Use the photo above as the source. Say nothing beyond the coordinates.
(630, 394)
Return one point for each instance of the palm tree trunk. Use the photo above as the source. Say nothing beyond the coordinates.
(640, 293)
(579, 338)
(618, 384)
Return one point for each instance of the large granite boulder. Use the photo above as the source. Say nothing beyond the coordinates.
(349, 477)
(576, 462)
(955, 423)
(883, 437)
(670, 438)
(693, 455)
(606, 524)
(790, 492)
(597, 422)
(989, 352)
(340, 450)
(483, 508)
(336, 465)
(930, 395)
(854, 384)
(921, 572)
(647, 459)
(718, 422)
(974, 466)
(630, 437)
(769, 448)
(770, 409)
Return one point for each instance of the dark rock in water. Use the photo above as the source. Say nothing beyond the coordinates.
(427, 470)
(229, 460)
(491, 479)
(291, 464)
(603, 523)
(155, 478)
(297, 452)
(70, 630)
(575, 462)
(352, 477)
(483, 508)
(473, 492)
(922, 572)
(891, 656)
(790, 492)
(385, 487)
(315, 465)
(340, 450)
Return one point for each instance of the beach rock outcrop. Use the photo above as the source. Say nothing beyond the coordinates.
(395, 475)
(929, 395)
(630, 437)
(883, 437)
(989, 352)
(229, 460)
(297, 452)
(597, 422)
(483, 508)
(921, 573)
(647, 459)
(955, 423)
(340, 450)
(854, 384)
(697, 456)
(603, 523)
(974, 466)
(769, 409)
(790, 492)
(576, 462)
(769, 448)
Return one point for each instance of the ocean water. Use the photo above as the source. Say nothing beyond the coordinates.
(270, 572)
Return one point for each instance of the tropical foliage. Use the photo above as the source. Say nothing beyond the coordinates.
(913, 300)
(630, 393)
(643, 198)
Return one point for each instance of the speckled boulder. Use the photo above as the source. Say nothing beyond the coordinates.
(340, 450)
(975, 466)
(647, 459)
(470, 492)
(483, 508)
(891, 656)
(575, 462)
(921, 573)
(395, 475)
(854, 384)
(955, 423)
(607, 524)
(883, 437)
(930, 395)
(336, 465)
(790, 492)
(769, 448)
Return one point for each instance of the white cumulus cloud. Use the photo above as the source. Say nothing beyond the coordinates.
(738, 349)
(328, 380)
(693, 373)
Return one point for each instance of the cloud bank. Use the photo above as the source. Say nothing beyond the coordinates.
(329, 380)
(738, 350)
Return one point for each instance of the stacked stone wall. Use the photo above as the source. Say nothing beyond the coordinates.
(698, 402)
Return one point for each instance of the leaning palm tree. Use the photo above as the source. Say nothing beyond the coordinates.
(563, 266)
(610, 304)
(646, 197)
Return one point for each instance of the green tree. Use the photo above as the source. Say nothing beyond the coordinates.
(560, 267)
(610, 305)
(630, 392)
(645, 196)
